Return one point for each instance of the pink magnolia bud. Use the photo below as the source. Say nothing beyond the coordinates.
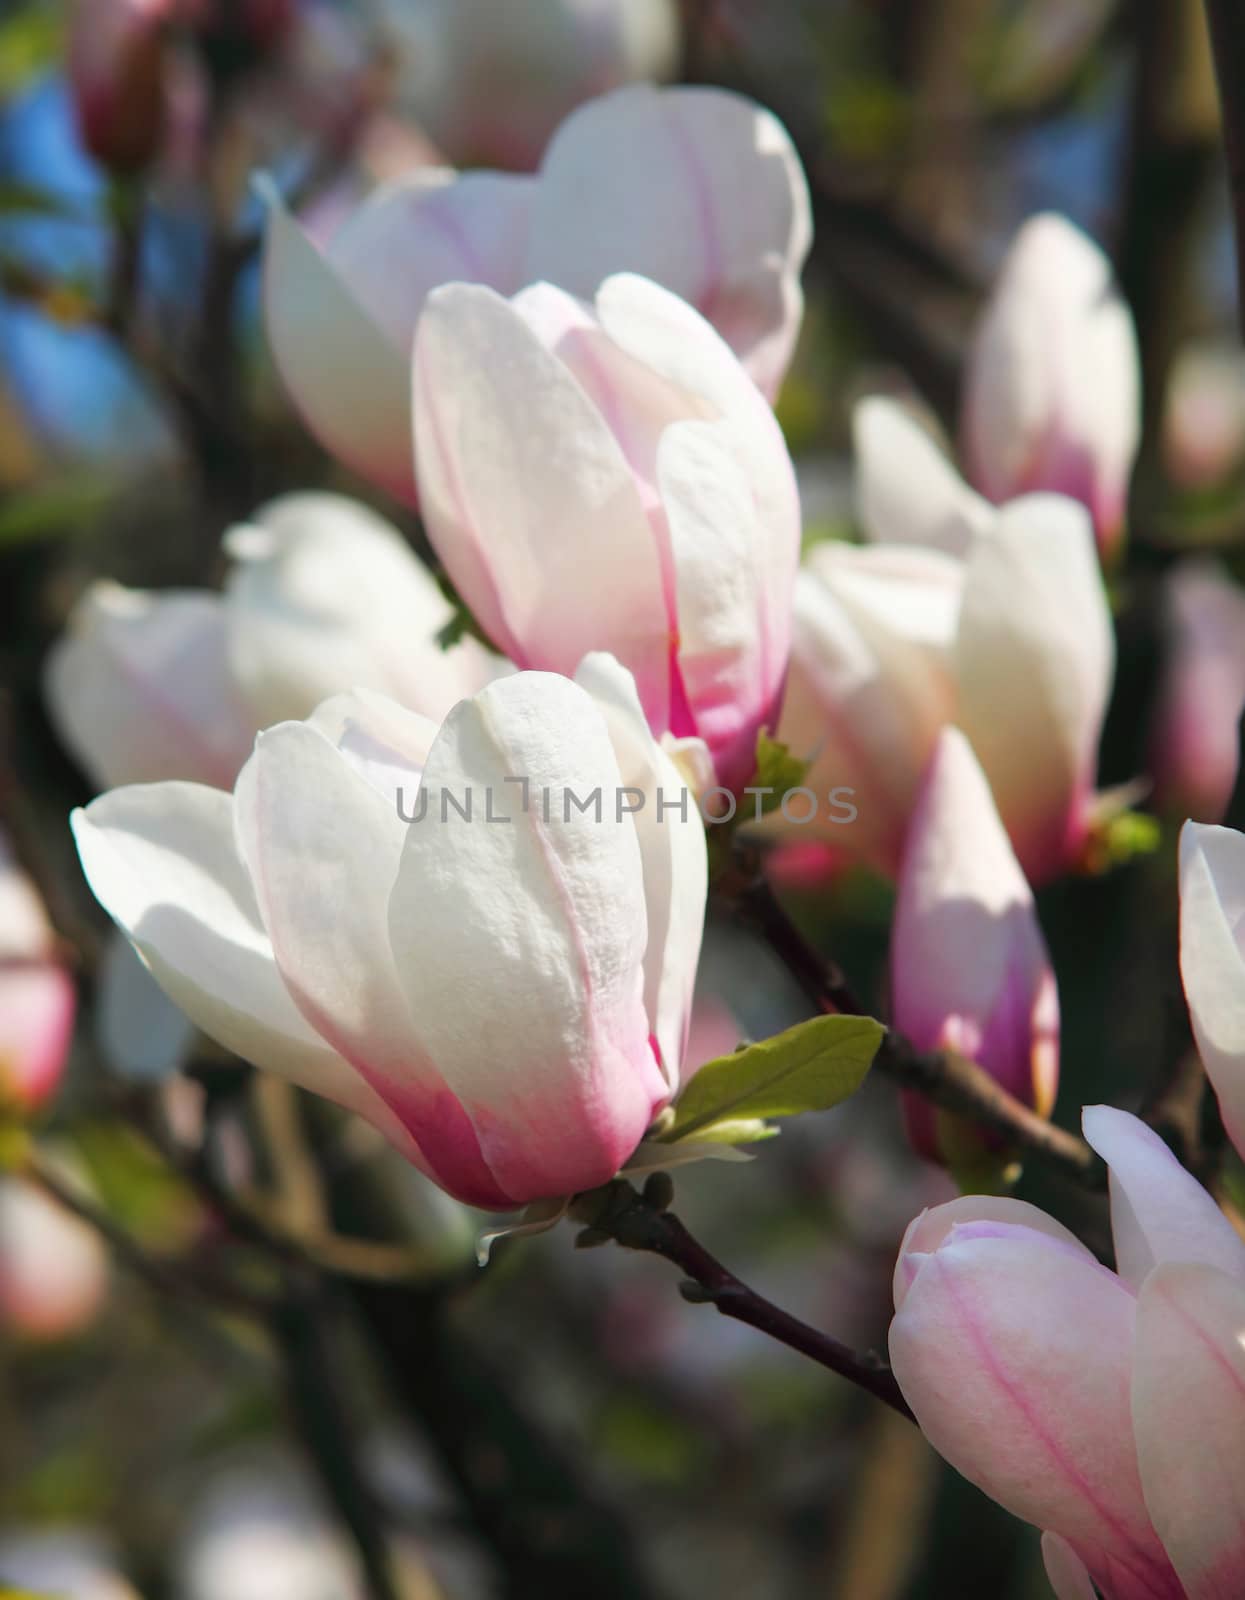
(1193, 749)
(53, 1267)
(1107, 1409)
(326, 920)
(1053, 386)
(969, 966)
(117, 75)
(37, 996)
(611, 478)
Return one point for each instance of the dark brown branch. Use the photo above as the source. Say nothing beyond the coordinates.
(947, 1080)
(641, 1222)
(1227, 37)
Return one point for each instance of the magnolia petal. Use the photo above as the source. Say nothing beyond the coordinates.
(1068, 1574)
(967, 952)
(1212, 931)
(1014, 1351)
(927, 1231)
(139, 688)
(343, 372)
(529, 499)
(1034, 659)
(696, 188)
(730, 665)
(907, 492)
(541, 920)
(327, 595)
(1159, 1212)
(675, 860)
(1189, 1417)
(161, 861)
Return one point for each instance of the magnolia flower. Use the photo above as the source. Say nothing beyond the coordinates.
(437, 927)
(323, 596)
(491, 83)
(1013, 643)
(969, 966)
(907, 491)
(37, 998)
(1053, 385)
(698, 189)
(1203, 431)
(1194, 740)
(1212, 960)
(53, 1266)
(1107, 1408)
(611, 479)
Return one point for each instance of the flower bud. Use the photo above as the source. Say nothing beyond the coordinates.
(117, 56)
(37, 996)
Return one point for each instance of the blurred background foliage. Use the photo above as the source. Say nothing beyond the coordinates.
(568, 1425)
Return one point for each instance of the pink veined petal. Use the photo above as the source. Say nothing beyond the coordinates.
(1189, 1416)
(529, 499)
(698, 189)
(162, 862)
(1159, 1212)
(520, 943)
(343, 372)
(1212, 964)
(907, 492)
(1034, 659)
(928, 1230)
(1068, 1574)
(1014, 1351)
(731, 666)
(139, 688)
(675, 860)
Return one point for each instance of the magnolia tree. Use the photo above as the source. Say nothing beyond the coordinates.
(522, 794)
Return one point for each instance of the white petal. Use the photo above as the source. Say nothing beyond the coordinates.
(907, 491)
(140, 691)
(1212, 965)
(1034, 659)
(1159, 1212)
(696, 188)
(674, 857)
(529, 499)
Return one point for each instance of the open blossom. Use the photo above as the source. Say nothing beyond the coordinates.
(610, 478)
(323, 596)
(698, 189)
(1012, 642)
(1212, 960)
(1193, 742)
(491, 83)
(507, 1000)
(1106, 1408)
(1053, 384)
(37, 998)
(969, 967)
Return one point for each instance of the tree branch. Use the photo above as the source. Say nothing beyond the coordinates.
(642, 1222)
(947, 1080)
(1227, 37)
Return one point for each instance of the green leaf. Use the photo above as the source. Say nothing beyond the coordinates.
(810, 1067)
(777, 770)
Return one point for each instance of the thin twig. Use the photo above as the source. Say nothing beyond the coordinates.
(947, 1080)
(642, 1222)
(1227, 37)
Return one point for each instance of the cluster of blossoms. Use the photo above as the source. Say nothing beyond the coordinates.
(570, 375)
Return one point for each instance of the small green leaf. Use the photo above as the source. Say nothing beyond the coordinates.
(777, 770)
(810, 1067)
